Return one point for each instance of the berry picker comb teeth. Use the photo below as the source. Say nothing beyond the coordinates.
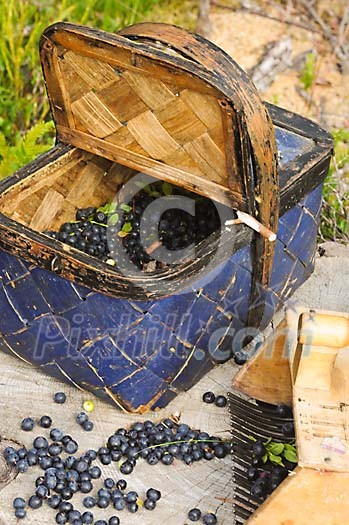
(317, 353)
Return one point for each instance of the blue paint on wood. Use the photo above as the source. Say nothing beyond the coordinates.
(145, 352)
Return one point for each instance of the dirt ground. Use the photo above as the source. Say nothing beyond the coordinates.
(247, 37)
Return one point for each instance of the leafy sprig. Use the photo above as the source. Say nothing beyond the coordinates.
(276, 452)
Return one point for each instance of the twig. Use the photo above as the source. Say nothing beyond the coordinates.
(270, 17)
(153, 247)
(325, 29)
(254, 224)
(341, 49)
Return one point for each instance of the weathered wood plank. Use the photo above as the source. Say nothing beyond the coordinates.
(25, 391)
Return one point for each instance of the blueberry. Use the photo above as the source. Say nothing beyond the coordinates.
(259, 449)
(20, 513)
(73, 515)
(194, 514)
(8, 451)
(121, 484)
(103, 502)
(89, 502)
(221, 401)
(54, 501)
(45, 462)
(208, 397)
(153, 494)
(92, 454)
(131, 497)
(101, 522)
(81, 418)
(114, 520)
(220, 451)
(240, 357)
(81, 466)
(114, 442)
(40, 442)
(22, 453)
(209, 519)
(51, 482)
(149, 504)
(61, 518)
(109, 483)
(71, 447)
(86, 487)
(66, 493)
(167, 459)
(35, 502)
(65, 506)
(252, 474)
(152, 459)
(22, 466)
(19, 503)
(56, 434)
(95, 472)
(132, 507)
(88, 426)
(45, 422)
(42, 491)
(55, 449)
(27, 424)
(288, 429)
(126, 468)
(283, 410)
(258, 490)
(105, 459)
(87, 517)
(119, 503)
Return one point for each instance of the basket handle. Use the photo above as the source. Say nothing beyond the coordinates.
(256, 140)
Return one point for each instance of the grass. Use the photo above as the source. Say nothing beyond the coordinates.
(24, 110)
(334, 224)
(309, 72)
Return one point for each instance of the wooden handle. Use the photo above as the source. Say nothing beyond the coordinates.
(254, 140)
(324, 330)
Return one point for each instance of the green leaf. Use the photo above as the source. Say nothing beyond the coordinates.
(167, 188)
(109, 207)
(277, 460)
(252, 438)
(125, 207)
(291, 456)
(289, 446)
(127, 227)
(265, 458)
(113, 219)
(275, 448)
(122, 234)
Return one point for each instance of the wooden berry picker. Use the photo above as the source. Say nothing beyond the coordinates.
(175, 210)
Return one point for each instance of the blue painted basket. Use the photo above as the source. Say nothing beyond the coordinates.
(138, 340)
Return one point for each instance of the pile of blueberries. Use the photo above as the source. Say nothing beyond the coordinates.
(66, 473)
(265, 477)
(100, 232)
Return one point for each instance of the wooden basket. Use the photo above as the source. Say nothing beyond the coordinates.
(159, 100)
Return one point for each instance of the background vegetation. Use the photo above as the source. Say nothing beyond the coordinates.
(26, 129)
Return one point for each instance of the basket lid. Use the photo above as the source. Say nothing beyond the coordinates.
(180, 110)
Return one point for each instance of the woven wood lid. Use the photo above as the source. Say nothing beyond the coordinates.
(141, 99)
(167, 102)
